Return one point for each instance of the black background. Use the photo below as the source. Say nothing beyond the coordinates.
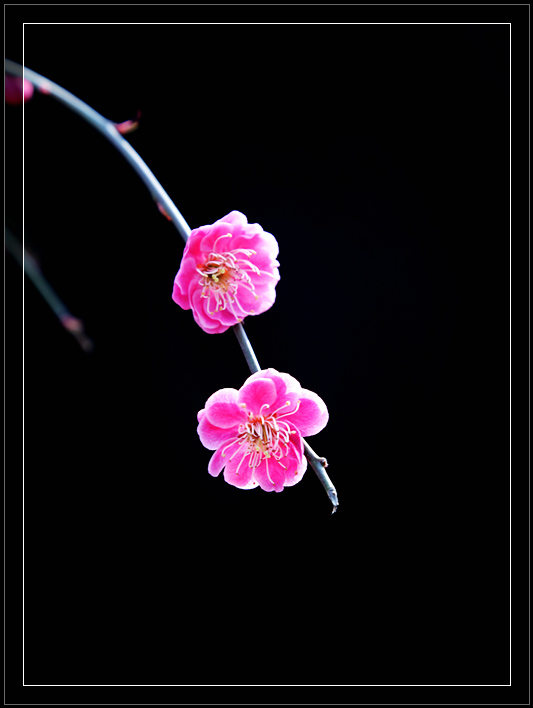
(378, 156)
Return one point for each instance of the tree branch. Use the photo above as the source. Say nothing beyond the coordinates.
(109, 130)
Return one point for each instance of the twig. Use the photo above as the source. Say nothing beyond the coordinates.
(165, 204)
(109, 129)
(30, 266)
(319, 464)
(246, 347)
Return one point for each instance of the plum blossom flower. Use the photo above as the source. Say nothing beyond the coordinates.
(17, 90)
(257, 432)
(228, 271)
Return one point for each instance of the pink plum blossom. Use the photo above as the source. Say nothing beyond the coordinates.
(17, 90)
(228, 271)
(257, 432)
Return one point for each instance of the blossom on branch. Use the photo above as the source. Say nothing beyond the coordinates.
(17, 90)
(257, 432)
(228, 271)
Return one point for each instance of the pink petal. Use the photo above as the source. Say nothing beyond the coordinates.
(265, 245)
(179, 298)
(222, 409)
(205, 237)
(283, 404)
(206, 315)
(270, 475)
(212, 234)
(193, 247)
(269, 373)
(212, 436)
(216, 463)
(291, 384)
(312, 416)
(287, 389)
(259, 301)
(266, 280)
(254, 394)
(207, 322)
(264, 302)
(182, 280)
(293, 464)
(230, 317)
(234, 218)
(238, 472)
(297, 446)
(295, 475)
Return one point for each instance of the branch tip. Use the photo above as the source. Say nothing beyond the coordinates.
(332, 494)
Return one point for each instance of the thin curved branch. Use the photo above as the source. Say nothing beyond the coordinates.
(109, 130)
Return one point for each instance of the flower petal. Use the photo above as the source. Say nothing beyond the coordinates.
(212, 436)
(295, 475)
(193, 247)
(312, 415)
(222, 409)
(216, 463)
(238, 472)
(235, 218)
(291, 384)
(254, 394)
(200, 310)
(270, 475)
(287, 389)
(218, 232)
(262, 242)
(264, 302)
(186, 273)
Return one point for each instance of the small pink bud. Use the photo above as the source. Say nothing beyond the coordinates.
(163, 211)
(128, 126)
(71, 323)
(17, 90)
(75, 327)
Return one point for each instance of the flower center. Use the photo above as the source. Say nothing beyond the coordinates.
(222, 275)
(263, 437)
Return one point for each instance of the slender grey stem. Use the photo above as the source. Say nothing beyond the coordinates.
(72, 324)
(32, 270)
(319, 464)
(108, 129)
(246, 347)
